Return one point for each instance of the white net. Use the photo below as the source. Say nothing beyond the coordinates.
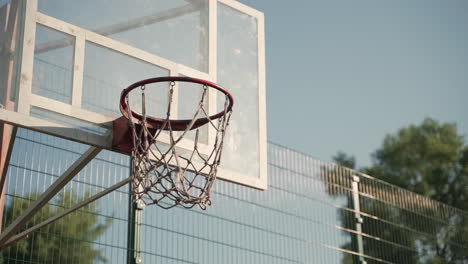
(168, 167)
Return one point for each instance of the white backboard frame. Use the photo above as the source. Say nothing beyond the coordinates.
(26, 99)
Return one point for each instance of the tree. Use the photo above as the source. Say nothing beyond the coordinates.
(430, 159)
(344, 160)
(65, 241)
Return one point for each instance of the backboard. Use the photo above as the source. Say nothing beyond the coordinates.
(64, 64)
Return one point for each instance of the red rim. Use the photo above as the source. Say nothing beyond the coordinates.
(177, 125)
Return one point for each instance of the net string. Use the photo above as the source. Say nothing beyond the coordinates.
(174, 175)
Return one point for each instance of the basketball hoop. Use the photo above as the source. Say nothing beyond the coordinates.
(163, 172)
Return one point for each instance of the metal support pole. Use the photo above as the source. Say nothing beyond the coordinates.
(64, 213)
(67, 176)
(5, 159)
(139, 206)
(134, 231)
(359, 219)
(8, 136)
(136, 207)
(130, 227)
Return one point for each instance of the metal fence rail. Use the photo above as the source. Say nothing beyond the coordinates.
(313, 212)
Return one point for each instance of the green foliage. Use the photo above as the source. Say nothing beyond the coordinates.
(430, 159)
(64, 241)
(344, 160)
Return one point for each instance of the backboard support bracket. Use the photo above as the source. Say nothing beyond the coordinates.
(35, 206)
(54, 129)
(70, 210)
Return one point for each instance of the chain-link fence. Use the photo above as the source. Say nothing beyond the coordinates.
(312, 212)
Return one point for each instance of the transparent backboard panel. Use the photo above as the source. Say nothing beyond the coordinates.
(237, 42)
(102, 85)
(71, 60)
(53, 67)
(190, 96)
(173, 29)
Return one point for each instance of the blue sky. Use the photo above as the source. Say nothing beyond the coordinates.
(342, 74)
